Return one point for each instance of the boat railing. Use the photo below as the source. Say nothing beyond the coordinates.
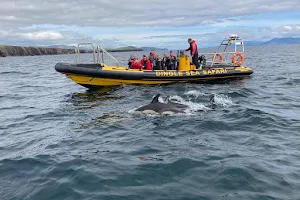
(226, 55)
(77, 51)
(103, 52)
(99, 49)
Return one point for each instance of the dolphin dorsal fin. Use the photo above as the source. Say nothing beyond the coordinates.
(155, 99)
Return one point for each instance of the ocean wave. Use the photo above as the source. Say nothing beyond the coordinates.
(61, 141)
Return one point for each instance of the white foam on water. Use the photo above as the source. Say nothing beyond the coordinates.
(195, 93)
(177, 99)
(132, 111)
(161, 99)
(223, 100)
(192, 106)
(151, 113)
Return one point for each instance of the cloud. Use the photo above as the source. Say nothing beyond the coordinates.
(144, 23)
(208, 39)
(172, 38)
(43, 35)
(29, 37)
(132, 13)
(13, 36)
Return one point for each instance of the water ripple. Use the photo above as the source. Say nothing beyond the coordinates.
(61, 141)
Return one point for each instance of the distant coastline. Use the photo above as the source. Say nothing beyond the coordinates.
(64, 49)
(274, 41)
(33, 51)
(53, 50)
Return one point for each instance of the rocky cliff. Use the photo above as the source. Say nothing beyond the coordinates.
(33, 51)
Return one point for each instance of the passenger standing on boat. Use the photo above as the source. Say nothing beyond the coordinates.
(146, 65)
(152, 58)
(136, 64)
(164, 61)
(172, 61)
(130, 61)
(194, 52)
(158, 65)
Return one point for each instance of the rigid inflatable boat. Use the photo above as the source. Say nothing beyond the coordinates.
(99, 74)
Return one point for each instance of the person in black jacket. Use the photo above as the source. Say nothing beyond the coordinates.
(172, 61)
(131, 59)
(158, 65)
(165, 61)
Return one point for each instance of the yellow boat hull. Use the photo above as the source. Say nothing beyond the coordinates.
(95, 75)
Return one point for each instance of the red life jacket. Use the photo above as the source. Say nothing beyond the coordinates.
(136, 65)
(146, 64)
(193, 48)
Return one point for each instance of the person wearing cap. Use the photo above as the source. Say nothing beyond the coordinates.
(145, 62)
(194, 52)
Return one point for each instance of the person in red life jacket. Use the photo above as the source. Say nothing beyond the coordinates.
(152, 58)
(146, 65)
(172, 61)
(136, 64)
(194, 52)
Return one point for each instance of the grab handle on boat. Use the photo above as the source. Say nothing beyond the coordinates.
(103, 51)
(77, 52)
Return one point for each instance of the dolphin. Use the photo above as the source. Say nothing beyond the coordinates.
(162, 108)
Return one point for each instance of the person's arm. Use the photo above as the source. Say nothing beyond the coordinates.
(188, 49)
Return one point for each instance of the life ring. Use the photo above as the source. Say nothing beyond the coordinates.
(220, 58)
(234, 61)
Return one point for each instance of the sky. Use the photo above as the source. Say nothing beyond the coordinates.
(166, 24)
